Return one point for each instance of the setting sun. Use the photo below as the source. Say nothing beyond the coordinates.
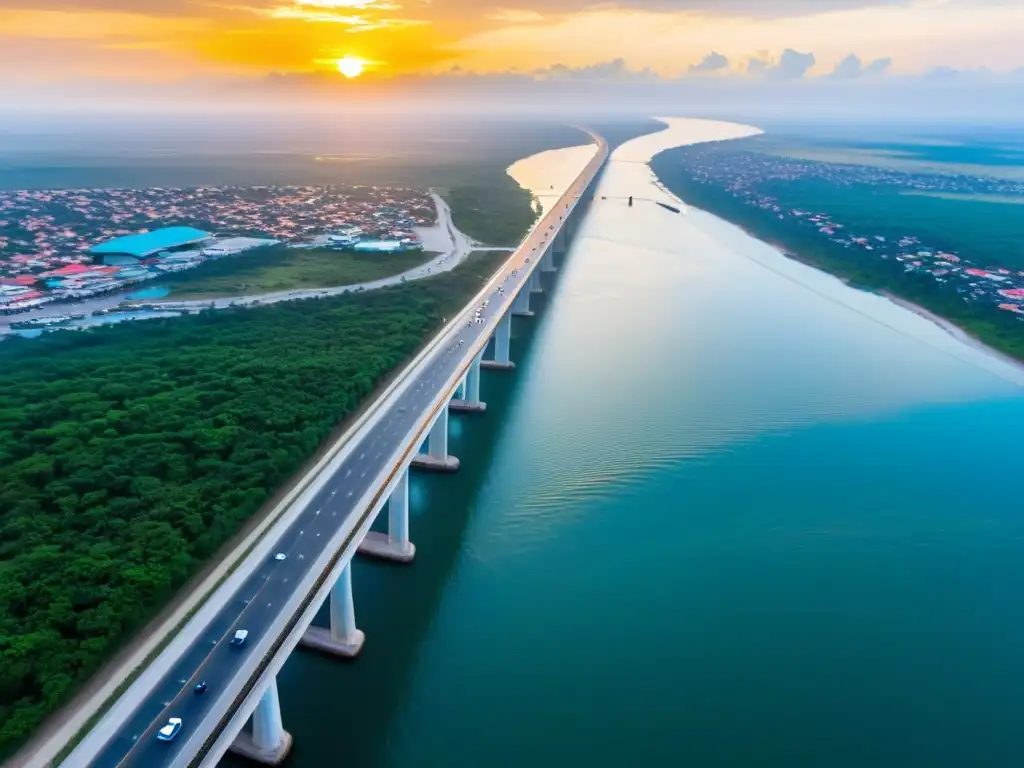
(350, 66)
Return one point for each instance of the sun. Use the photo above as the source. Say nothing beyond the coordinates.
(350, 66)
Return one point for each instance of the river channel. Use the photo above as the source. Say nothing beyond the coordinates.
(725, 512)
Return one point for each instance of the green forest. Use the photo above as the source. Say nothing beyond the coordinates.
(1000, 330)
(987, 233)
(131, 453)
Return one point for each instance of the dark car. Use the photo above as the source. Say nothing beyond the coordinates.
(200, 687)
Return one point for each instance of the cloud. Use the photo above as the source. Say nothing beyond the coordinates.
(47, 24)
(515, 16)
(792, 65)
(757, 9)
(148, 7)
(852, 67)
(713, 62)
(615, 71)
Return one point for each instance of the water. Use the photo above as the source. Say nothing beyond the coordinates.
(147, 294)
(725, 512)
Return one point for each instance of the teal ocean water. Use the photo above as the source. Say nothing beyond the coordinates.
(725, 512)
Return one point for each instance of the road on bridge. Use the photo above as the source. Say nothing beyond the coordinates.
(211, 658)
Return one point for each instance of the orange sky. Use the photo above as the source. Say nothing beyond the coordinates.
(158, 40)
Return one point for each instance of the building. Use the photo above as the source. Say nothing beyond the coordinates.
(228, 246)
(132, 249)
(379, 246)
(346, 237)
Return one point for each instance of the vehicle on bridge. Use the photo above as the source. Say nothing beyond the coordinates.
(239, 637)
(169, 731)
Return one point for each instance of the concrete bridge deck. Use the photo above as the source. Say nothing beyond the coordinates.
(274, 599)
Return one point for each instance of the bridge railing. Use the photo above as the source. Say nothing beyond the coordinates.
(286, 633)
(355, 526)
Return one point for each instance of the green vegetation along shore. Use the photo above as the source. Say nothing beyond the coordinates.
(863, 209)
(130, 454)
(279, 268)
(999, 330)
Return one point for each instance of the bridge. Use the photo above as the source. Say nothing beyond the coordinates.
(303, 559)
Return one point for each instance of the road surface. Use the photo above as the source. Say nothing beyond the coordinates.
(255, 605)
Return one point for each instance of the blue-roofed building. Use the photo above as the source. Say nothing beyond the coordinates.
(379, 246)
(131, 249)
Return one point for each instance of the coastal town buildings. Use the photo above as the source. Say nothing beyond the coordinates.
(748, 176)
(60, 245)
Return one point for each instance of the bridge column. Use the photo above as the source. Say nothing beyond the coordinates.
(547, 262)
(437, 457)
(521, 303)
(470, 400)
(570, 224)
(502, 341)
(269, 743)
(558, 245)
(342, 638)
(534, 284)
(395, 544)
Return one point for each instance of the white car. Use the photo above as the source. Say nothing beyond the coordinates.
(169, 731)
(280, 556)
(239, 637)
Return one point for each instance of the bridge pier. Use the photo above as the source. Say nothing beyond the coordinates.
(342, 638)
(559, 243)
(395, 544)
(437, 457)
(534, 285)
(470, 400)
(547, 263)
(269, 743)
(521, 303)
(502, 342)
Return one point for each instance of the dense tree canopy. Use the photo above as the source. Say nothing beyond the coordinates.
(129, 454)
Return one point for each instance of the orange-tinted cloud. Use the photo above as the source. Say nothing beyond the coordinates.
(161, 39)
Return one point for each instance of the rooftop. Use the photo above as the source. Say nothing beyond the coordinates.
(147, 243)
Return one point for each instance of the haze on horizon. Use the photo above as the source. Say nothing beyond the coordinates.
(838, 59)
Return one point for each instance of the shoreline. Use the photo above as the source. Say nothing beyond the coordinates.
(948, 326)
(952, 329)
(740, 131)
